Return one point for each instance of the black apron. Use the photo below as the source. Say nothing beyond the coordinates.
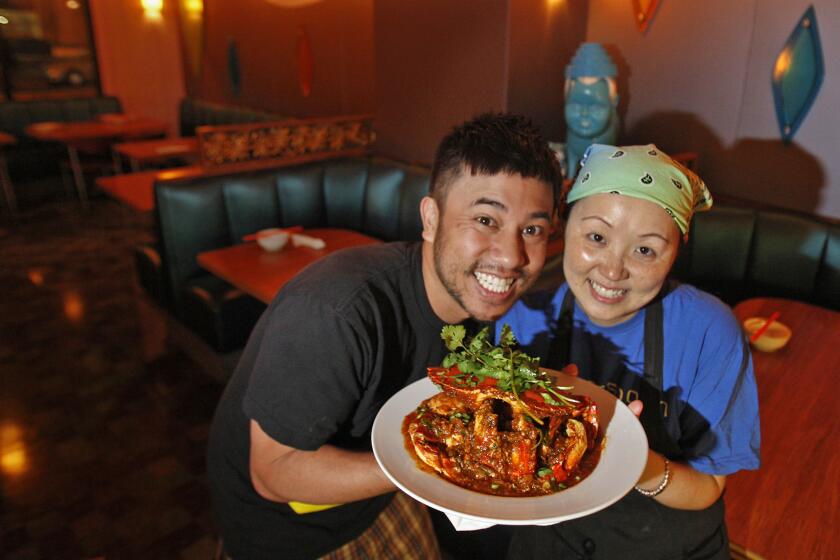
(635, 527)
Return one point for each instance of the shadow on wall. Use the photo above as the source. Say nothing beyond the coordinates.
(762, 170)
(622, 82)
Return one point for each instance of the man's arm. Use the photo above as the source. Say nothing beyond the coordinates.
(329, 475)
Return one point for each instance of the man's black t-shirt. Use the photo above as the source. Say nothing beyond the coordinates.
(340, 339)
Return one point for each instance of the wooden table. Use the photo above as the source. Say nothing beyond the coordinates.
(5, 182)
(151, 151)
(262, 274)
(789, 507)
(134, 189)
(81, 134)
(137, 190)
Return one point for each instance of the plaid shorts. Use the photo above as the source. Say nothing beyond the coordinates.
(402, 531)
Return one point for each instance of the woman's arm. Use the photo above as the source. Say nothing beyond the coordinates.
(687, 488)
(329, 475)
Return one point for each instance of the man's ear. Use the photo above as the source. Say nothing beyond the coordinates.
(430, 216)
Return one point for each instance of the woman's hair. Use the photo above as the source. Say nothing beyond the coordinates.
(494, 143)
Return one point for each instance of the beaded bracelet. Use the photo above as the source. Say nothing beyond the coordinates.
(666, 478)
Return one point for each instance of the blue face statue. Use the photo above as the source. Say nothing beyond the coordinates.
(589, 109)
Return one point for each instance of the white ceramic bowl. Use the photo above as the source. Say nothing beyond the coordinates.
(775, 337)
(272, 239)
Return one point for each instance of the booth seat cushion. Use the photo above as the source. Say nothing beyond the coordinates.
(375, 197)
(739, 252)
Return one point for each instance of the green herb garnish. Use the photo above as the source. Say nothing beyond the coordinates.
(514, 371)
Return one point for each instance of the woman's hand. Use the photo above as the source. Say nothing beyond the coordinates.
(687, 489)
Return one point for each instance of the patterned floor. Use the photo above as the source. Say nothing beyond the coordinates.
(103, 418)
(103, 423)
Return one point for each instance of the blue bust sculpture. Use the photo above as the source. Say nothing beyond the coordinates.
(591, 103)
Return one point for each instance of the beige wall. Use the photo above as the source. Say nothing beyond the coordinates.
(543, 37)
(699, 79)
(341, 40)
(439, 62)
(139, 60)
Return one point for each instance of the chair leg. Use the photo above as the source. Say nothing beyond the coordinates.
(78, 175)
(8, 188)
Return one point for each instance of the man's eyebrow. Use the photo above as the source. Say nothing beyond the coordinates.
(503, 208)
(490, 202)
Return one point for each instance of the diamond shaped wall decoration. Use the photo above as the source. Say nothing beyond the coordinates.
(797, 75)
(643, 11)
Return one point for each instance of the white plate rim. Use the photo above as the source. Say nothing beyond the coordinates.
(622, 461)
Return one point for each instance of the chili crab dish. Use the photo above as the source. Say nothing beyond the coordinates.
(500, 425)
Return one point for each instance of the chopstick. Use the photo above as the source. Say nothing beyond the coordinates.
(292, 229)
(763, 327)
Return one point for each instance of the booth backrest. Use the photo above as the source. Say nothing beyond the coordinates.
(195, 112)
(375, 197)
(16, 115)
(739, 252)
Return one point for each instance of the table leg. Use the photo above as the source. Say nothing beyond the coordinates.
(117, 159)
(78, 175)
(8, 189)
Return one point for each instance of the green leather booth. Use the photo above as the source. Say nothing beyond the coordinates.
(734, 252)
(738, 252)
(373, 196)
(33, 157)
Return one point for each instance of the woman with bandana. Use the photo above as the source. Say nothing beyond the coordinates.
(677, 351)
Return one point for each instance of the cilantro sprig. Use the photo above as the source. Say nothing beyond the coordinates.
(513, 370)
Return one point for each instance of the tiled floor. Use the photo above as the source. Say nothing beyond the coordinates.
(104, 420)
(103, 423)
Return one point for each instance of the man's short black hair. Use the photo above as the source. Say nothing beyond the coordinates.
(494, 143)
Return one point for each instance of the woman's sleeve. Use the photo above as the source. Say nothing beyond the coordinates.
(720, 422)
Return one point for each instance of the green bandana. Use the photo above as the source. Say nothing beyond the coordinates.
(642, 172)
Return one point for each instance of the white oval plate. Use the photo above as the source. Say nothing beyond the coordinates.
(622, 461)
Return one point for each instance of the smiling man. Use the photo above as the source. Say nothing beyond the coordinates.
(293, 426)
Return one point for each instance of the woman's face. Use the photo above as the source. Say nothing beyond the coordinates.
(618, 252)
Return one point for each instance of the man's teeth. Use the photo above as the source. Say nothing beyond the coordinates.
(493, 283)
(606, 292)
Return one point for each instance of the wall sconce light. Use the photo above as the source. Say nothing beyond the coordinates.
(152, 9)
(194, 8)
(72, 4)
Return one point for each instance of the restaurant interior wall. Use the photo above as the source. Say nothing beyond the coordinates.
(439, 63)
(266, 38)
(699, 79)
(139, 58)
(543, 37)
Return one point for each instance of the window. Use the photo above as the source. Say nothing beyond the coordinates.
(46, 49)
